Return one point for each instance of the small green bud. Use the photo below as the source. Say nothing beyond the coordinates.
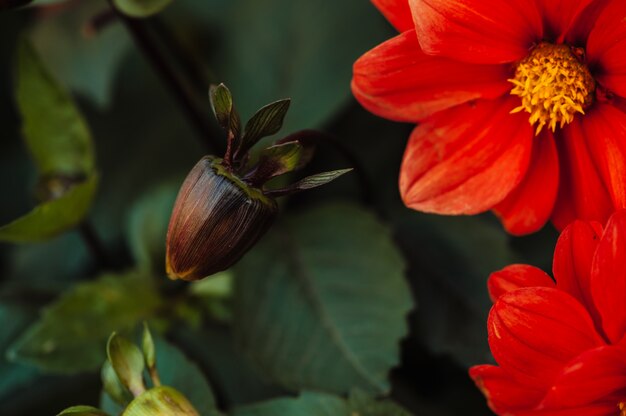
(216, 219)
(161, 401)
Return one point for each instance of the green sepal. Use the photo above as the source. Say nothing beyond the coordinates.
(265, 122)
(309, 182)
(128, 363)
(113, 386)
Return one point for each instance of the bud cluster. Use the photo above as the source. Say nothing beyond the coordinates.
(223, 206)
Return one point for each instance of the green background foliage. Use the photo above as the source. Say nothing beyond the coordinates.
(350, 304)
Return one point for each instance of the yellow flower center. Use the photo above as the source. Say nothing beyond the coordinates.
(622, 408)
(553, 85)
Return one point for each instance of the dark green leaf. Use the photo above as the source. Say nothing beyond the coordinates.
(321, 404)
(128, 362)
(325, 273)
(53, 217)
(71, 334)
(265, 122)
(147, 227)
(82, 411)
(451, 258)
(301, 49)
(222, 104)
(364, 405)
(309, 182)
(55, 131)
(308, 404)
(141, 8)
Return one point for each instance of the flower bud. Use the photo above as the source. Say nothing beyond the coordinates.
(216, 219)
(161, 401)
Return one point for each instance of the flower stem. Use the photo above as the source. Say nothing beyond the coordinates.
(94, 244)
(181, 91)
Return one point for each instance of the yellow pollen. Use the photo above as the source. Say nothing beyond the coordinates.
(553, 85)
(622, 409)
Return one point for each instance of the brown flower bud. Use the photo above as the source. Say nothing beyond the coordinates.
(216, 219)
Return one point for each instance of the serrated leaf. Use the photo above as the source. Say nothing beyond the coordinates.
(451, 258)
(222, 104)
(141, 8)
(265, 122)
(71, 334)
(128, 362)
(51, 218)
(309, 182)
(82, 411)
(55, 131)
(324, 276)
(322, 404)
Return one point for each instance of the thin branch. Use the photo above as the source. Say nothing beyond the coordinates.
(95, 245)
(137, 28)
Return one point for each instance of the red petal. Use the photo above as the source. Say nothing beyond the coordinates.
(477, 31)
(466, 159)
(504, 394)
(396, 80)
(397, 13)
(534, 332)
(607, 47)
(608, 277)
(605, 129)
(529, 206)
(582, 194)
(580, 29)
(597, 376)
(572, 261)
(515, 277)
(560, 15)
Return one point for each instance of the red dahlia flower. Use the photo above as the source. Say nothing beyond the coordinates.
(560, 347)
(520, 104)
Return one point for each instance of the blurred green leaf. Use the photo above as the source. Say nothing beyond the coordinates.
(294, 48)
(451, 258)
(322, 404)
(82, 411)
(321, 302)
(84, 61)
(128, 362)
(14, 318)
(54, 129)
(147, 227)
(71, 334)
(141, 8)
(49, 219)
(214, 349)
(176, 370)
